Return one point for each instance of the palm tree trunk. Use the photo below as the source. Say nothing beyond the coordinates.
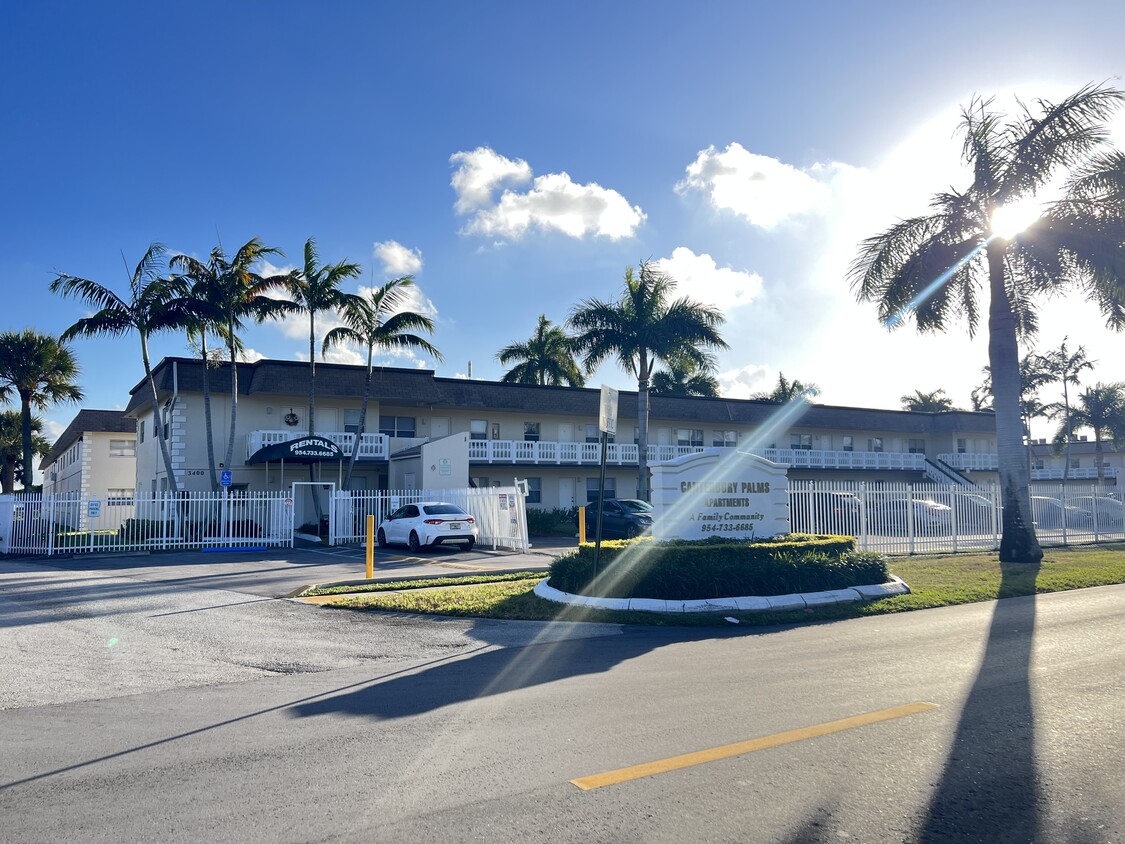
(362, 421)
(7, 476)
(312, 372)
(642, 426)
(207, 413)
(1018, 543)
(157, 424)
(233, 397)
(1099, 458)
(25, 425)
(1069, 431)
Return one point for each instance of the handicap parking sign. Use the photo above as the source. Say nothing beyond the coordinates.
(225, 477)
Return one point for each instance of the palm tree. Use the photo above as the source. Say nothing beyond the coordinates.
(641, 328)
(41, 370)
(316, 287)
(546, 358)
(227, 293)
(935, 401)
(786, 390)
(685, 378)
(935, 266)
(153, 304)
(1064, 368)
(11, 448)
(1101, 408)
(381, 321)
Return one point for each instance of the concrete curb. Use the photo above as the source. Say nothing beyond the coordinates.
(895, 586)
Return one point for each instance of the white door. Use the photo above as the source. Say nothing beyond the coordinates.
(566, 492)
(439, 427)
(663, 436)
(566, 435)
(410, 480)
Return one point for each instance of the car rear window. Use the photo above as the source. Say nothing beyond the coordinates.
(443, 510)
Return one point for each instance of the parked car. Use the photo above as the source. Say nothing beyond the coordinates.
(622, 518)
(1050, 513)
(1109, 511)
(821, 512)
(895, 515)
(427, 524)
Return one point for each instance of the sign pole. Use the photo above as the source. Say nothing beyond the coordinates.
(370, 545)
(601, 505)
(607, 424)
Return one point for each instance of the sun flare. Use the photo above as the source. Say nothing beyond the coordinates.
(1011, 219)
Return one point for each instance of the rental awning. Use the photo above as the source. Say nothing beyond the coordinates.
(303, 450)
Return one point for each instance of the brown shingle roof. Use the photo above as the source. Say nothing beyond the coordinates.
(92, 421)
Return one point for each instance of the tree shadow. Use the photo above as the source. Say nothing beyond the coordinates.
(990, 787)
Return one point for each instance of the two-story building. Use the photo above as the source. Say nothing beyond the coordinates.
(547, 436)
(94, 457)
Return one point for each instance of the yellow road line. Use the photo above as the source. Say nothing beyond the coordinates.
(674, 763)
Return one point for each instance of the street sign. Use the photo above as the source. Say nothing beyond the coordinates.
(225, 477)
(93, 509)
(607, 411)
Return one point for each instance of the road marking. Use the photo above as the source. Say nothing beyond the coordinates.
(674, 763)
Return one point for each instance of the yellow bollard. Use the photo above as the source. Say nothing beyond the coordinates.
(370, 546)
(581, 525)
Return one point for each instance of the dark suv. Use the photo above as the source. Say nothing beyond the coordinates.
(622, 518)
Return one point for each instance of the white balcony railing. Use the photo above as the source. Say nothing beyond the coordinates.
(371, 446)
(990, 463)
(799, 458)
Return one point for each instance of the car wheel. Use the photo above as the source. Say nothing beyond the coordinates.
(469, 543)
(381, 539)
(632, 532)
(413, 544)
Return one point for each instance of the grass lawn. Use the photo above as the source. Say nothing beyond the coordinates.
(934, 582)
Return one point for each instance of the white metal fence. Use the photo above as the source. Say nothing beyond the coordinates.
(926, 518)
(499, 512)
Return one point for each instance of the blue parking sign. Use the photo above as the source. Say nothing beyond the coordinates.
(225, 477)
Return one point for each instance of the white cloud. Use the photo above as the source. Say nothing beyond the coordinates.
(398, 260)
(52, 430)
(764, 190)
(744, 382)
(553, 202)
(249, 355)
(709, 283)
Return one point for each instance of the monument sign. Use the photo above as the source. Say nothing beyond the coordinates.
(719, 492)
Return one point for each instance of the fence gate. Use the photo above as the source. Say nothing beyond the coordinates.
(313, 504)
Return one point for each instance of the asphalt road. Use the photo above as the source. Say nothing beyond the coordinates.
(153, 710)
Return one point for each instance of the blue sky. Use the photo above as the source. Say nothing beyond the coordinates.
(518, 156)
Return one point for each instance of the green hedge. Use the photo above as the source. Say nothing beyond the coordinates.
(714, 568)
(556, 522)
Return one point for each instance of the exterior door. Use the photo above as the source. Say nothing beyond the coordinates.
(566, 492)
(663, 436)
(566, 435)
(439, 427)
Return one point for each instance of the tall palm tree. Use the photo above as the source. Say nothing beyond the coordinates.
(11, 448)
(546, 358)
(642, 327)
(935, 401)
(381, 321)
(41, 370)
(1066, 368)
(934, 266)
(314, 288)
(685, 378)
(1100, 408)
(227, 293)
(786, 390)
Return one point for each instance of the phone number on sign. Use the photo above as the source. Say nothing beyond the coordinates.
(728, 527)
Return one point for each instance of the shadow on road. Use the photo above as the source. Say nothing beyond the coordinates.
(990, 789)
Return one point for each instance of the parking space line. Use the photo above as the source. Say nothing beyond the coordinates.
(675, 763)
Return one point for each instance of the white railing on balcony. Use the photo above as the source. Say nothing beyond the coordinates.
(799, 458)
(990, 463)
(371, 446)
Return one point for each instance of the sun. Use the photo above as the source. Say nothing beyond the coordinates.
(1011, 219)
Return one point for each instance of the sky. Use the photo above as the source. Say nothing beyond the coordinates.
(517, 157)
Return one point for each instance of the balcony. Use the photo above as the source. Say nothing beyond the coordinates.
(371, 446)
(990, 463)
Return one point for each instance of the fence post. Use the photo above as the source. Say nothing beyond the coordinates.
(50, 526)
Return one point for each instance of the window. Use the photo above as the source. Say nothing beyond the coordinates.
(166, 419)
(916, 446)
(1037, 463)
(593, 435)
(351, 421)
(592, 488)
(122, 448)
(534, 490)
(478, 429)
(689, 436)
(724, 439)
(141, 431)
(1075, 463)
(800, 441)
(495, 430)
(117, 497)
(847, 442)
(875, 444)
(478, 482)
(397, 426)
(531, 433)
(962, 445)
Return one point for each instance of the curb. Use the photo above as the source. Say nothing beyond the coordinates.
(895, 586)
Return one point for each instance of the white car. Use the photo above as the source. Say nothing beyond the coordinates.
(426, 524)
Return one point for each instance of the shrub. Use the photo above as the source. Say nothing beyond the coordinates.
(140, 530)
(684, 570)
(556, 522)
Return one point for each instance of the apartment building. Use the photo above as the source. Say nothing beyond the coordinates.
(94, 456)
